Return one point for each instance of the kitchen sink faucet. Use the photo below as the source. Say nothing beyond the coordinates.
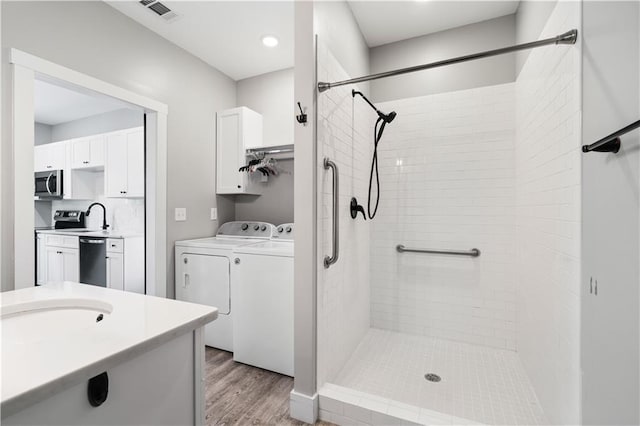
(104, 214)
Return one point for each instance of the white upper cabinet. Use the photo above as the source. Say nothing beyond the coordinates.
(124, 164)
(51, 156)
(87, 152)
(238, 129)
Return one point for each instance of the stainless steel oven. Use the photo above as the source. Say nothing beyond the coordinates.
(48, 184)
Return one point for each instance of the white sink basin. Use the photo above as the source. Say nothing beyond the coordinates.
(43, 320)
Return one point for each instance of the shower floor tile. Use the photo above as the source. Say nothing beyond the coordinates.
(479, 383)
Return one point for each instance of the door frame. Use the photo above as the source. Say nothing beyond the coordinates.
(25, 69)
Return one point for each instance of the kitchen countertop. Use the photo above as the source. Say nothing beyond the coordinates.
(82, 232)
(33, 369)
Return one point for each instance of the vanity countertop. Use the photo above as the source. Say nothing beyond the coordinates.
(82, 232)
(46, 349)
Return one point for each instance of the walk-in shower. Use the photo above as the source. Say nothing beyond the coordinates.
(432, 313)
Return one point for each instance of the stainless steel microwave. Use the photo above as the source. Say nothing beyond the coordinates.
(49, 184)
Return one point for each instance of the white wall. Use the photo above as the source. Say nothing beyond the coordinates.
(447, 180)
(42, 134)
(83, 37)
(531, 17)
(611, 212)
(271, 95)
(345, 133)
(335, 25)
(473, 38)
(548, 218)
(96, 124)
(338, 30)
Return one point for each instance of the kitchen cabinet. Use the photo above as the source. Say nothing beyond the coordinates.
(115, 270)
(124, 164)
(238, 129)
(125, 264)
(51, 156)
(61, 259)
(61, 264)
(87, 152)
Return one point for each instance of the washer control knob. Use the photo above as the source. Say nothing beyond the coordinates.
(244, 227)
(279, 228)
(289, 229)
(264, 228)
(256, 227)
(236, 261)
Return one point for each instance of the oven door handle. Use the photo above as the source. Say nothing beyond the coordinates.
(47, 183)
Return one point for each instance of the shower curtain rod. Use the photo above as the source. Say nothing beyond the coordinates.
(569, 37)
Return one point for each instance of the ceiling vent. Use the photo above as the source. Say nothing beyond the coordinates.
(160, 9)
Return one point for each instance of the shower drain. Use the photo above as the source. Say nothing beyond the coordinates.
(432, 377)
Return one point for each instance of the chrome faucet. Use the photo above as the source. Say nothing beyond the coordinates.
(104, 214)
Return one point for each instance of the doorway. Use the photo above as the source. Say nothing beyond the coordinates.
(27, 71)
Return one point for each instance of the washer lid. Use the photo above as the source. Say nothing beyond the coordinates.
(268, 248)
(218, 243)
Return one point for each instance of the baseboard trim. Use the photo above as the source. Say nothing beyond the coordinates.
(303, 407)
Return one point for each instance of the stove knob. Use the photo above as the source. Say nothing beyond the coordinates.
(264, 228)
(256, 227)
(289, 229)
(279, 228)
(244, 227)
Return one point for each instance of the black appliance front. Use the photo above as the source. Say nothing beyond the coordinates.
(93, 261)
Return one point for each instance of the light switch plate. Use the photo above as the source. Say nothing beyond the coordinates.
(214, 213)
(181, 214)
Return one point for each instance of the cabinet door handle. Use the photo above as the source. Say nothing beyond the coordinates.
(185, 282)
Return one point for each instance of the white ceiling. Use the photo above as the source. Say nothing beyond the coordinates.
(225, 34)
(55, 105)
(383, 22)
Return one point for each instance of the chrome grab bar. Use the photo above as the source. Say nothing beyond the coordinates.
(330, 260)
(474, 252)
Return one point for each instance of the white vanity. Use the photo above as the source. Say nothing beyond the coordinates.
(59, 339)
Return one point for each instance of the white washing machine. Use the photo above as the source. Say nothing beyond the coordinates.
(263, 318)
(204, 274)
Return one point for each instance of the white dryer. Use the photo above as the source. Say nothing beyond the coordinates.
(204, 274)
(263, 322)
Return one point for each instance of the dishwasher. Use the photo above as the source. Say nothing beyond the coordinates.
(93, 261)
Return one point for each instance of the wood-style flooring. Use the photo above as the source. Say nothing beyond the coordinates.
(238, 394)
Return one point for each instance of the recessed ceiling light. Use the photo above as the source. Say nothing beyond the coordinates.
(270, 41)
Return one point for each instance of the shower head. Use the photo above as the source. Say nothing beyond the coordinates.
(387, 118)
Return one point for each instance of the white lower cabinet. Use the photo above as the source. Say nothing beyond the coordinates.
(125, 264)
(115, 270)
(59, 260)
(61, 264)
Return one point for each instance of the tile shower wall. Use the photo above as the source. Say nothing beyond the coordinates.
(344, 135)
(548, 218)
(447, 181)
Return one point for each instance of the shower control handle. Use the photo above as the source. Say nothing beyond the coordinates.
(355, 208)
